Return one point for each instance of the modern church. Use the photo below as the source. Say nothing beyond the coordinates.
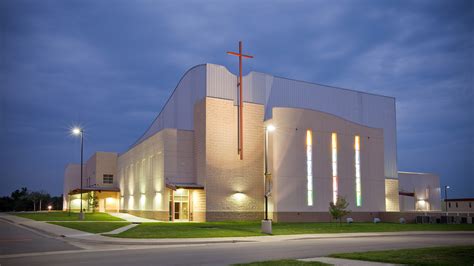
(286, 146)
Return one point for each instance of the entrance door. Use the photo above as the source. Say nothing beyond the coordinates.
(181, 205)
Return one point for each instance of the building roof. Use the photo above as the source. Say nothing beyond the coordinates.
(89, 189)
(460, 199)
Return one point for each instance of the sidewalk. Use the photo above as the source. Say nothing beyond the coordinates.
(79, 236)
(131, 218)
(43, 227)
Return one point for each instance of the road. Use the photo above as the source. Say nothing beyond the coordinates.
(14, 239)
(211, 254)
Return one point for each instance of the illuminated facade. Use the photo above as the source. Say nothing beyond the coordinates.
(357, 171)
(327, 143)
(309, 165)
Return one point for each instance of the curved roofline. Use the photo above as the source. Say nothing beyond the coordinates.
(308, 82)
(326, 113)
(139, 140)
(416, 173)
(330, 86)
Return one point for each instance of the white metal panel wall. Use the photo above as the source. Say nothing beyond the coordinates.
(359, 107)
(178, 111)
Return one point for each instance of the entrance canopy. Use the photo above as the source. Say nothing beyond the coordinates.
(175, 186)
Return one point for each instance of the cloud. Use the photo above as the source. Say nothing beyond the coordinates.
(113, 66)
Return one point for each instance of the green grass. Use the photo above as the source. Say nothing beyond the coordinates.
(64, 216)
(92, 227)
(237, 229)
(284, 263)
(461, 255)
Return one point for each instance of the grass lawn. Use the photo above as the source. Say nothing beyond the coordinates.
(461, 255)
(92, 227)
(64, 216)
(235, 229)
(284, 263)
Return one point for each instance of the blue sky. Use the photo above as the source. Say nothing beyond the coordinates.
(111, 65)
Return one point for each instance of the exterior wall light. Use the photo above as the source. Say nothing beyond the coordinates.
(238, 196)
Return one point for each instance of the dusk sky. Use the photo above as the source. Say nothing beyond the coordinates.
(111, 65)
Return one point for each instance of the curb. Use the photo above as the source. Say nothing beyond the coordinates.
(108, 242)
(227, 241)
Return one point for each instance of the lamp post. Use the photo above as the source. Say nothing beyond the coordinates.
(446, 198)
(79, 131)
(266, 223)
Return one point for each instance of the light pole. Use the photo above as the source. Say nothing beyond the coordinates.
(446, 198)
(76, 131)
(266, 224)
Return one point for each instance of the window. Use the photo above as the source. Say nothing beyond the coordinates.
(357, 171)
(108, 179)
(309, 166)
(449, 204)
(456, 204)
(470, 205)
(334, 167)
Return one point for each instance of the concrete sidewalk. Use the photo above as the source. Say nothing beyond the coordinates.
(79, 236)
(43, 227)
(132, 218)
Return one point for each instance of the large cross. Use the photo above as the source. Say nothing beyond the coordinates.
(240, 149)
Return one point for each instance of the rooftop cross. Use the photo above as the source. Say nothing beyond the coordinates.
(240, 149)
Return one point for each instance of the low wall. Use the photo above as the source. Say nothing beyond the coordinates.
(233, 216)
(322, 216)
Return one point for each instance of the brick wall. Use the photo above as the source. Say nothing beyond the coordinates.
(232, 185)
(392, 203)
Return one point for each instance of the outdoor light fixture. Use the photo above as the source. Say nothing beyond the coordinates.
(79, 131)
(266, 223)
(50, 207)
(446, 197)
(76, 131)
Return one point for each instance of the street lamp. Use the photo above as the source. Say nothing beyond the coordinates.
(267, 224)
(446, 198)
(79, 131)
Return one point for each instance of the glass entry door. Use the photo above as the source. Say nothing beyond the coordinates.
(181, 205)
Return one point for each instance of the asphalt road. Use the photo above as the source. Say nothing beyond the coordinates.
(212, 254)
(15, 239)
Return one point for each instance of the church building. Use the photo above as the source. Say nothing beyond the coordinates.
(285, 146)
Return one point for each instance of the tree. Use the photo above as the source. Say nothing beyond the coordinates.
(35, 197)
(6, 204)
(57, 202)
(25, 200)
(93, 201)
(339, 209)
(20, 199)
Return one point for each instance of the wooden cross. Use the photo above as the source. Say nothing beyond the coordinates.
(240, 149)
